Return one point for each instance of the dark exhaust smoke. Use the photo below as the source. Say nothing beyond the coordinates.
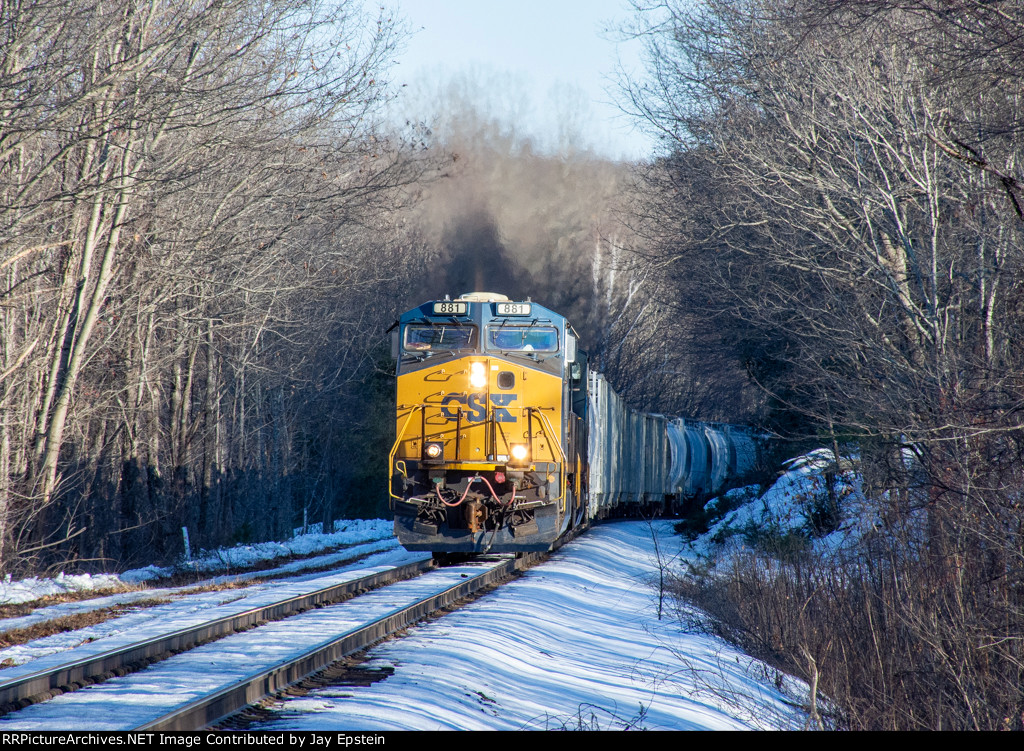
(474, 259)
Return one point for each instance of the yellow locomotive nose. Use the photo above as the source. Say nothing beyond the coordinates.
(481, 418)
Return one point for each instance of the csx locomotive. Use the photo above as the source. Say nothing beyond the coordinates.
(506, 441)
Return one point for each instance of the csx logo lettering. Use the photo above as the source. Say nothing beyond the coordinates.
(476, 405)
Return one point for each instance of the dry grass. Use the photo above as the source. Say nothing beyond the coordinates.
(902, 634)
(13, 610)
(66, 623)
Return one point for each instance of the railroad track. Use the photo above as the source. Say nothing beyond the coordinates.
(183, 692)
(26, 689)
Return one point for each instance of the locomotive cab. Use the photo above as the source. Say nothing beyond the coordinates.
(490, 447)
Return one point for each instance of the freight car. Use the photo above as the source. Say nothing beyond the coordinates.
(506, 441)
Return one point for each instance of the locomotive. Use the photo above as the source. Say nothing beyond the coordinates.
(507, 442)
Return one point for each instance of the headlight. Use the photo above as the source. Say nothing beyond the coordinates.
(433, 450)
(520, 452)
(477, 375)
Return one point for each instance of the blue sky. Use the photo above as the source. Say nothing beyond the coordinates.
(546, 60)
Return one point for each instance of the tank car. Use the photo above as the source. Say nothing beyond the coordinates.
(491, 431)
(706, 458)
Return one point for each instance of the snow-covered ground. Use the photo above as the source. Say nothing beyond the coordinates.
(128, 702)
(346, 533)
(180, 610)
(575, 643)
(789, 507)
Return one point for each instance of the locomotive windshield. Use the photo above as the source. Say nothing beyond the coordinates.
(523, 338)
(439, 338)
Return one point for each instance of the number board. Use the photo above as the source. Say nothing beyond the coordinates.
(450, 308)
(512, 308)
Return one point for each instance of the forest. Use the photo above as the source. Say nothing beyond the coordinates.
(843, 198)
(207, 226)
(186, 187)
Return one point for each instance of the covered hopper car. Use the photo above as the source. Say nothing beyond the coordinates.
(506, 441)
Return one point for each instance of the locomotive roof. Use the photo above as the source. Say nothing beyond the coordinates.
(482, 308)
(483, 297)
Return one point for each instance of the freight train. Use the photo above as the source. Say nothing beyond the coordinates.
(506, 441)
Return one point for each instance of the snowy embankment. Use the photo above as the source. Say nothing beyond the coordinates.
(349, 532)
(797, 504)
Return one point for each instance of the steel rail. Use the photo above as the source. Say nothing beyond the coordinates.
(23, 690)
(215, 707)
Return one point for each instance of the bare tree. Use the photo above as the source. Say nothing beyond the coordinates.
(865, 231)
(181, 184)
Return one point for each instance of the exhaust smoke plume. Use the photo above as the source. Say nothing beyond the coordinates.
(476, 260)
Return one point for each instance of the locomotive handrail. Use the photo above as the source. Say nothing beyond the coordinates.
(545, 425)
(548, 431)
(398, 442)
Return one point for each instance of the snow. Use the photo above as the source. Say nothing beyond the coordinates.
(128, 702)
(575, 643)
(27, 590)
(241, 556)
(180, 611)
(350, 532)
(787, 507)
